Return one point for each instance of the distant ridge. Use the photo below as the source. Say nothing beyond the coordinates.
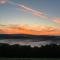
(28, 36)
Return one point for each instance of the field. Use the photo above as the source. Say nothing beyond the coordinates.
(29, 58)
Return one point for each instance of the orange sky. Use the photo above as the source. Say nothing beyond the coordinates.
(39, 30)
(34, 15)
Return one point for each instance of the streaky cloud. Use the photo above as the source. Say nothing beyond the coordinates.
(56, 20)
(32, 11)
(35, 12)
(44, 30)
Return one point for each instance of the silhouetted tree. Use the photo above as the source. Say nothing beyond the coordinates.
(16, 50)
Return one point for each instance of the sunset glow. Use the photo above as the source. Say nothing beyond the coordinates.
(39, 30)
(21, 17)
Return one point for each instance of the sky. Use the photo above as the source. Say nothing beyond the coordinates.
(38, 17)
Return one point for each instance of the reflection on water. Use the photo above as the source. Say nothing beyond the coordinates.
(28, 42)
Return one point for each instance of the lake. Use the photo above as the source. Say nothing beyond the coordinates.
(31, 42)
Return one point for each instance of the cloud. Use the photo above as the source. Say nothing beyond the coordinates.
(45, 28)
(3, 1)
(34, 12)
(30, 10)
(40, 15)
(56, 20)
(35, 30)
(2, 31)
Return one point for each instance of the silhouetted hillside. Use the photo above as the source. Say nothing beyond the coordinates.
(16, 50)
(26, 36)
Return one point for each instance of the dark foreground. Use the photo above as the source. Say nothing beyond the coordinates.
(29, 58)
(17, 51)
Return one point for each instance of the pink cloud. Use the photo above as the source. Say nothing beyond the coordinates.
(56, 20)
(3, 1)
(34, 12)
